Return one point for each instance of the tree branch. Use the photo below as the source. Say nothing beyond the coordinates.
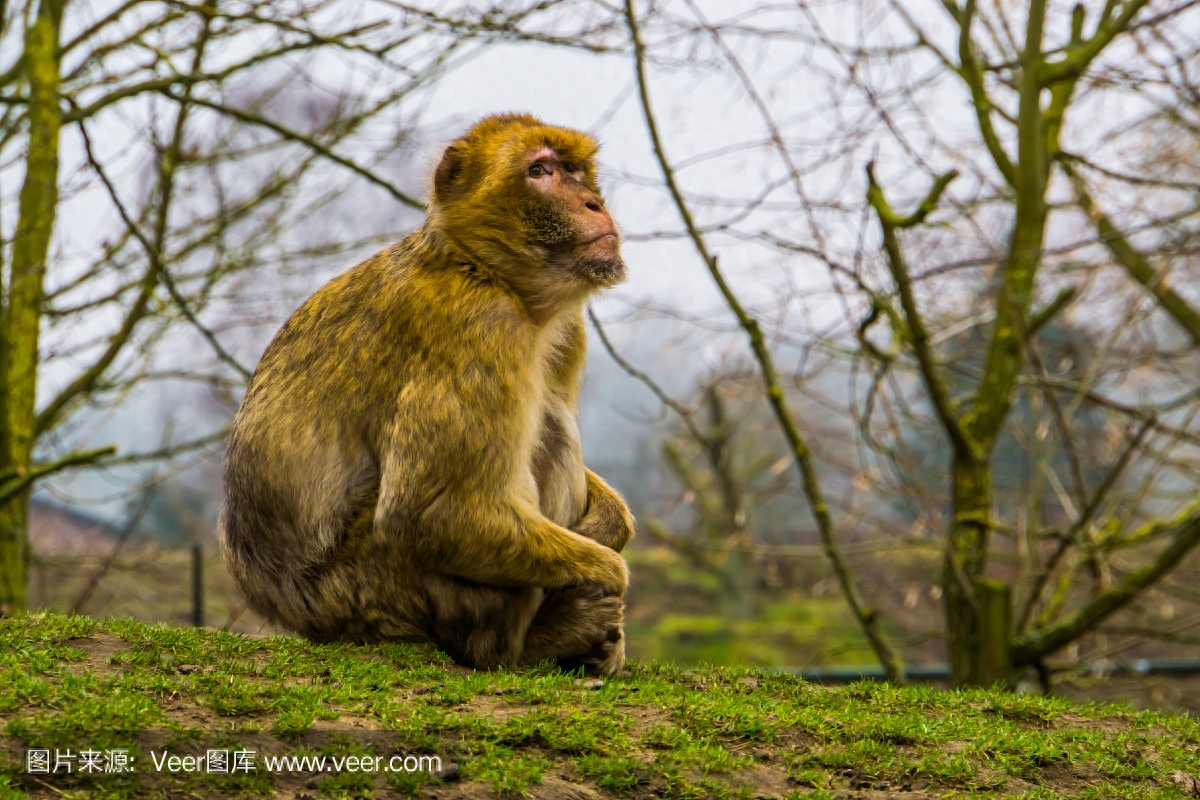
(1134, 262)
(155, 258)
(1080, 56)
(973, 76)
(170, 451)
(1002, 365)
(889, 221)
(1185, 535)
(102, 568)
(25, 479)
(1040, 318)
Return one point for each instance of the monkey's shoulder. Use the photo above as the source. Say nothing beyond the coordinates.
(361, 294)
(407, 311)
(359, 310)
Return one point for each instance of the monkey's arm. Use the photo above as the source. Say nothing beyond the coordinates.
(607, 519)
(509, 544)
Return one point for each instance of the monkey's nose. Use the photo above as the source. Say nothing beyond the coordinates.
(592, 205)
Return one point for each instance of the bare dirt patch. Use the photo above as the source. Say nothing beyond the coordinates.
(1113, 724)
(497, 707)
(99, 649)
(196, 716)
(1065, 777)
(346, 723)
(767, 780)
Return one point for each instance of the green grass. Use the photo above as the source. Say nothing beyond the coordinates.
(656, 731)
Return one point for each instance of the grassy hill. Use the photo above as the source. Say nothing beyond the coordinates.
(157, 693)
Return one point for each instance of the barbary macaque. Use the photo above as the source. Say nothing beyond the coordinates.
(406, 463)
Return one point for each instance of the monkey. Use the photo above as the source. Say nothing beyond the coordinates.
(406, 465)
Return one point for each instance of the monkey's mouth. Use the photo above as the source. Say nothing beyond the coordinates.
(604, 243)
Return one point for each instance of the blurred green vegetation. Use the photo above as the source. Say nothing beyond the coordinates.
(674, 614)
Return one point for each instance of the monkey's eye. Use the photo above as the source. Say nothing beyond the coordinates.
(537, 171)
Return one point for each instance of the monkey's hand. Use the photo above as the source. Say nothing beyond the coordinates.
(509, 544)
(607, 519)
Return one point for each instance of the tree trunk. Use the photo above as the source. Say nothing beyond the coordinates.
(966, 557)
(37, 205)
(741, 579)
(969, 609)
(994, 663)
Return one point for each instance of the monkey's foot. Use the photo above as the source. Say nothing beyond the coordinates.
(579, 626)
(607, 657)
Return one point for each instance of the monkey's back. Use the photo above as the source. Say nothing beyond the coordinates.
(303, 466)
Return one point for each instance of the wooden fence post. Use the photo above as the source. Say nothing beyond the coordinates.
(198, 585)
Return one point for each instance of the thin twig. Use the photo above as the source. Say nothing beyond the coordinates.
(251, 118)
(234, 613)
(684, 412)
(102, 569)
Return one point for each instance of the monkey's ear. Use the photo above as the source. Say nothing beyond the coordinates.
(447, 172)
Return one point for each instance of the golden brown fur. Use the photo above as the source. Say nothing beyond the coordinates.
(406, 462)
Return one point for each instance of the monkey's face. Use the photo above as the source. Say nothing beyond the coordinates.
(521, 198)
(563, 215)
